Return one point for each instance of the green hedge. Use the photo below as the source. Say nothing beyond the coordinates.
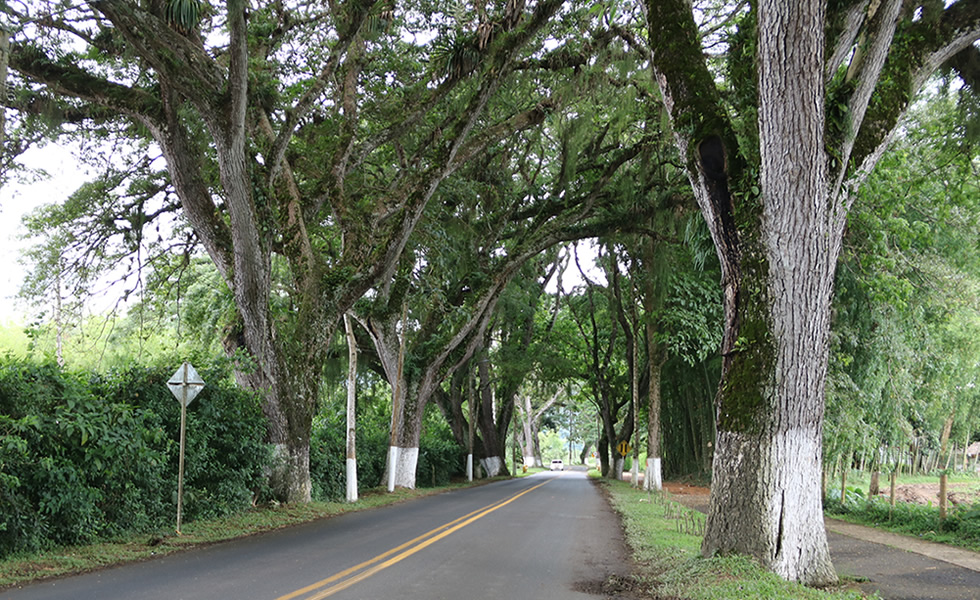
(90, 456)
(84, 457)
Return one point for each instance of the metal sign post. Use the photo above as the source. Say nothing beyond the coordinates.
(185, 386)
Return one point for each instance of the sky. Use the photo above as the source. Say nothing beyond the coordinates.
(18, 199)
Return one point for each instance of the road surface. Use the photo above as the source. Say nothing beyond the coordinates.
(547, 537)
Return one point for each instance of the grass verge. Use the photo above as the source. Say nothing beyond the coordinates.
(960, 528)
(58, 562)
(665, 540)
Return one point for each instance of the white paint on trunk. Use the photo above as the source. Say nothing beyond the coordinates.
(352, 480)
(802, 548)
(469, 467)
(492, 465)
(351, 411)
(529, 461)
(782, 504)
(407, 460)
(653, 477)
(392, 467)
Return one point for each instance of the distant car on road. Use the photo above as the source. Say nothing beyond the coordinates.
(557, 465)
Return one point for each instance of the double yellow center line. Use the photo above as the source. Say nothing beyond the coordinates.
(348, 577)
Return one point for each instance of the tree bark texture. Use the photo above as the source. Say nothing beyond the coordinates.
(782, 436)
(653, 477)
(351, 410)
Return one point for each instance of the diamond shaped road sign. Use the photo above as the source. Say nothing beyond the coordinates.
(185, 384)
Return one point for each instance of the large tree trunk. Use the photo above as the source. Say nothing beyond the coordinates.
(527, 433)
(289, 424)
(493, 423)
(530, 426)
(777, 251)
(653, 476)
(765, 499)
(403, 456)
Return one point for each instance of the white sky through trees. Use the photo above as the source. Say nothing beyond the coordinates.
(19, 198)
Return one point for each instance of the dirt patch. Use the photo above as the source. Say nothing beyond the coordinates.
(686, 490)
(695, 497)
(620, 588)
(928, 493)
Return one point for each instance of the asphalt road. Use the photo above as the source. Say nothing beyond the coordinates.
(544, 537)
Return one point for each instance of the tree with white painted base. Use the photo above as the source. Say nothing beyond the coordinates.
(816, 95)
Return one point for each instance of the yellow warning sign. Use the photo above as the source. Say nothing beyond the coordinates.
(624, 448)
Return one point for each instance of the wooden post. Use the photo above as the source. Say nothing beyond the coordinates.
(942, 497)
(823, 483)
(892, 491)
(843, 484)
(891, 498)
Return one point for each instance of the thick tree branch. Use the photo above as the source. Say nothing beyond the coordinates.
(864, 71)
(703, 134)
(73, 81)
(844, 29)
(306, 102)
(918, 50)
(966, 64)
(178, 59)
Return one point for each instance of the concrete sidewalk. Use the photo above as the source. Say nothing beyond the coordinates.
(957, 556)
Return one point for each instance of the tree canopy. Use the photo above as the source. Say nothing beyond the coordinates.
(286, 162)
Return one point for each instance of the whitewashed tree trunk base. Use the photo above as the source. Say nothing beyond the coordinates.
(653, 477)
(289, 473)
(469, 467)
(618, 468)
(781, 504)
(406, 462)
(392, 467)
(352, 480)
(492, 465)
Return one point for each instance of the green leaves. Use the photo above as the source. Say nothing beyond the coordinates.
(905, 328)
(184, 15)
(82, 455)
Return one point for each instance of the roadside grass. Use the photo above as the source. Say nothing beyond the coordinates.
(58, 562)
(665, 539)
(863, 478)
(961, 527)
(529, 471)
